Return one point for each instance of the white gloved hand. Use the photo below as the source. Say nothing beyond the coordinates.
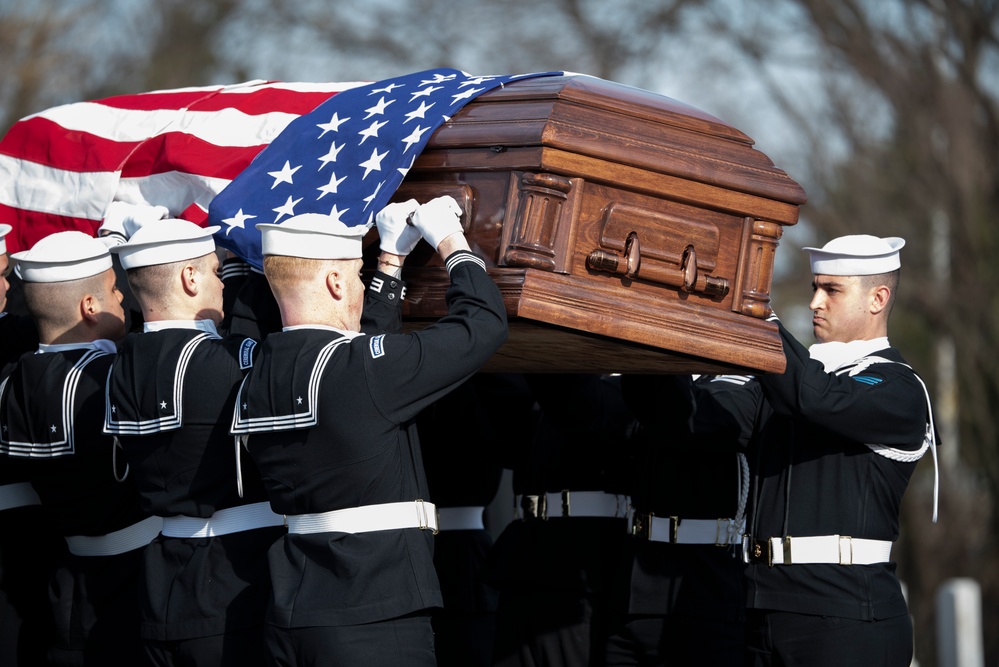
(397, 235)
(123, 219)
(438, 219)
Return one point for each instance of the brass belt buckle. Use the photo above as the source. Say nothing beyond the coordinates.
(565, 502)
(534, 506)
(641, 525)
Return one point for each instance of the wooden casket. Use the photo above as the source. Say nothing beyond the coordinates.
(627, 231)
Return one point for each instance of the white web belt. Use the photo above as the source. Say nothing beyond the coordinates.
(223, 522)
(460, 518)
(21, 494)
(121, 541)
(367, 518)
(832, 549)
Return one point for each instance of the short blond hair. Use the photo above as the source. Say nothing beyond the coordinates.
(55, 306)
(157, 280)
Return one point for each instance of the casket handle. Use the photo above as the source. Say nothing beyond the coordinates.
(686, 278)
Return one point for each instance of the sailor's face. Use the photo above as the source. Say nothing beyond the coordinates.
(840, 309)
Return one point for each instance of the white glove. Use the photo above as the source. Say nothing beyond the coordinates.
(122, 220)
(438, 219)
(397, 235)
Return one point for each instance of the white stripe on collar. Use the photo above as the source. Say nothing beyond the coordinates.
(834, 355)
(200, 325)
(101, 344)
(323, 327)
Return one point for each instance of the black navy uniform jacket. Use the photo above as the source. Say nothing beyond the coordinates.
(813, 474)
(170, 396)
(348, 402)
(678, 473)
(51, 416)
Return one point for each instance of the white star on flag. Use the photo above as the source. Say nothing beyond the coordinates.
(331, 187)
(373, 163)
(238, 220)
(288, 208)
(283, 176)
(466, 94)
(336, 215)
(423, 92)
(372, 130)
(414, 136)
(387, 89)
(378, 109)
(418, 113)
(333, 125)
(331, 154)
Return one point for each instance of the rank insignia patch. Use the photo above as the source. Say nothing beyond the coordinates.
(377, 350)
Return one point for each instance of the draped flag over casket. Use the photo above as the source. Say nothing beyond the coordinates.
(628, 231)
(62, 167)
(346, 158)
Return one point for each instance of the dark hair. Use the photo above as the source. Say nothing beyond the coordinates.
(889, 280)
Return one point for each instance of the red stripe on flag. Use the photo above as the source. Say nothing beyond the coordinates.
(176, 151)
(264, 100)
(45, 142)
(34, 225)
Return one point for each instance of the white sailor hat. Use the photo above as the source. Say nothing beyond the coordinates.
(312, 236)
(166, 241)
(856, 255)
(62, 256)
(4, 231)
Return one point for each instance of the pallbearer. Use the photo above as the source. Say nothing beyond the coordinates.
(329, 414)
(169, 402)
(51, 416)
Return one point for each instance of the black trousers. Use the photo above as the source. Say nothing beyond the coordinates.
(653, 640)
(547, 628)
(238, 648)
(784, 639)
(408, 641)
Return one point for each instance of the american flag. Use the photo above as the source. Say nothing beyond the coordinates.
(345, 158)
(61, 168)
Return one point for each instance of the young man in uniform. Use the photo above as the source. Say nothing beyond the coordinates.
(839, 435)
(51, 413)
(170, 397)
(330, 417)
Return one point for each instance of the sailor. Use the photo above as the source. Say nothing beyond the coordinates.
(170, 397)
(678, 590)
(51, 418)
(839, 435)
(329, 413)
